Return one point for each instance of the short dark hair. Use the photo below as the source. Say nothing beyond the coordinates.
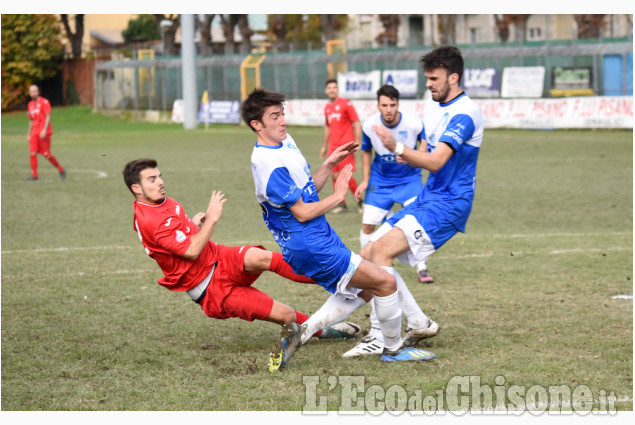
(253, 108)
(132, 171)
(329, 81)
(448, 57)
(389, 91)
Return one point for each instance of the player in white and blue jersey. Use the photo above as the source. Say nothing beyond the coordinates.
(453, 131)
(294, 214)
(386, 181)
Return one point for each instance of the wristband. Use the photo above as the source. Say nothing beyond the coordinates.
(399, 148)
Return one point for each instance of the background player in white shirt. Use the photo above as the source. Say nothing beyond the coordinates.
(294, 214)
(453, 129)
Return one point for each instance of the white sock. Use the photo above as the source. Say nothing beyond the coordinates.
(416, 318)
(422, 266)
(364, 238)
(389, 315)
(375, 327)
(333, 311)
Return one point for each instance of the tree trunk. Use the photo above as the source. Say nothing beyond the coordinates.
(447, 29)
(328, 26)
(390, 35)
(169, 33)
(206, 35)
(229, 23)
(589, 25)
(75, 37)
(279, 30)
(245, 34)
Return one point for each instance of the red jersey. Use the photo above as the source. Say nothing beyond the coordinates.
(165, 232)
(38, 110)
(340, 116)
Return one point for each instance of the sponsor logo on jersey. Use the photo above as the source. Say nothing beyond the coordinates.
(178, 209)
(403, 135)
(167, 223)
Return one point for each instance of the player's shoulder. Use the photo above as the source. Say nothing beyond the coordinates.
(372, 120)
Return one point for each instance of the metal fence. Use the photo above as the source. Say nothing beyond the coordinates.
(155, 84)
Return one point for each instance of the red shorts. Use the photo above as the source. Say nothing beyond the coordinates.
(230, 293)
(348, 160)
(41, 146)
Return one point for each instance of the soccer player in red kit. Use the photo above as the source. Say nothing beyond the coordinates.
(341, 119)
(39, 133)
(216, 277)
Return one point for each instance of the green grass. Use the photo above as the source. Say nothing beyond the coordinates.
(525, 293)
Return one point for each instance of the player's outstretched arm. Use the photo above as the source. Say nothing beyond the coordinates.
(304, 212)
(212, 216)
(322, 174)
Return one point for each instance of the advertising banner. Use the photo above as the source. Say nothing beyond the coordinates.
(404, 80)
(220, 111)
(481, 82)
(355, 85)
(570, 112)
(523, 81)
(571, 81)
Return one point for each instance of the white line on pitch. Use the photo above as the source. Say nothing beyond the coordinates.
(64, 249)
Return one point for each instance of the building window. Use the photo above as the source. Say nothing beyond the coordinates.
(535, 33)
(473, 35)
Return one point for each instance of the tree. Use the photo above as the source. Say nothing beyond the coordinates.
(447, 29)
(31, 53)
(142, 28)
(75, 37)
(390, 35)
(245, 33)
(278, 30)
(304, 29)
(206, 34)
(169, 32)
(589, 26)
(503, 23)
(229, 23)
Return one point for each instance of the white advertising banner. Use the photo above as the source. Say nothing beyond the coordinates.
(355, 85)
(523, 81)
(404, 80)
(570, 112)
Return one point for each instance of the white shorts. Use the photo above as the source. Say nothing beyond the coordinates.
(343, 290)
(420, 246)
(374, 215)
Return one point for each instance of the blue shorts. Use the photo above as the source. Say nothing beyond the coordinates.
(436, 225)
(384, 197)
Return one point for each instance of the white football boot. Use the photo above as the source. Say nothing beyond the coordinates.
(369, 345)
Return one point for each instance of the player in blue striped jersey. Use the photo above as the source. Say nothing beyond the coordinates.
(453, 131)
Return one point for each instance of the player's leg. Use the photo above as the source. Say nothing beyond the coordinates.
(33, 151)
(377, 206)
(45, 149)
(257, 259)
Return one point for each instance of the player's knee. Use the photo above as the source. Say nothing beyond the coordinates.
(388, 285)
(366, 251)
(257, 260)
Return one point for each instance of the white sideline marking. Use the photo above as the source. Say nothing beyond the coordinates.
(65, 249)
(98, 174)
(622, 297)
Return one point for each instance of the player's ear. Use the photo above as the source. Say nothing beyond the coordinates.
(136, 189)
(256, 125)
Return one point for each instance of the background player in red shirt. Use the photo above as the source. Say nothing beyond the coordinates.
(39, 133)
(341, 119)
(217, 277)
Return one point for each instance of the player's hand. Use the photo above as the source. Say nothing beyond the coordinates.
(341, 184)
(386, 137)
(199, 219)
(342, 152)
(43, 134)
(361, 188)
(215, 207)
(323, 152)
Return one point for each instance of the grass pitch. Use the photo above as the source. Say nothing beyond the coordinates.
(527, 294)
